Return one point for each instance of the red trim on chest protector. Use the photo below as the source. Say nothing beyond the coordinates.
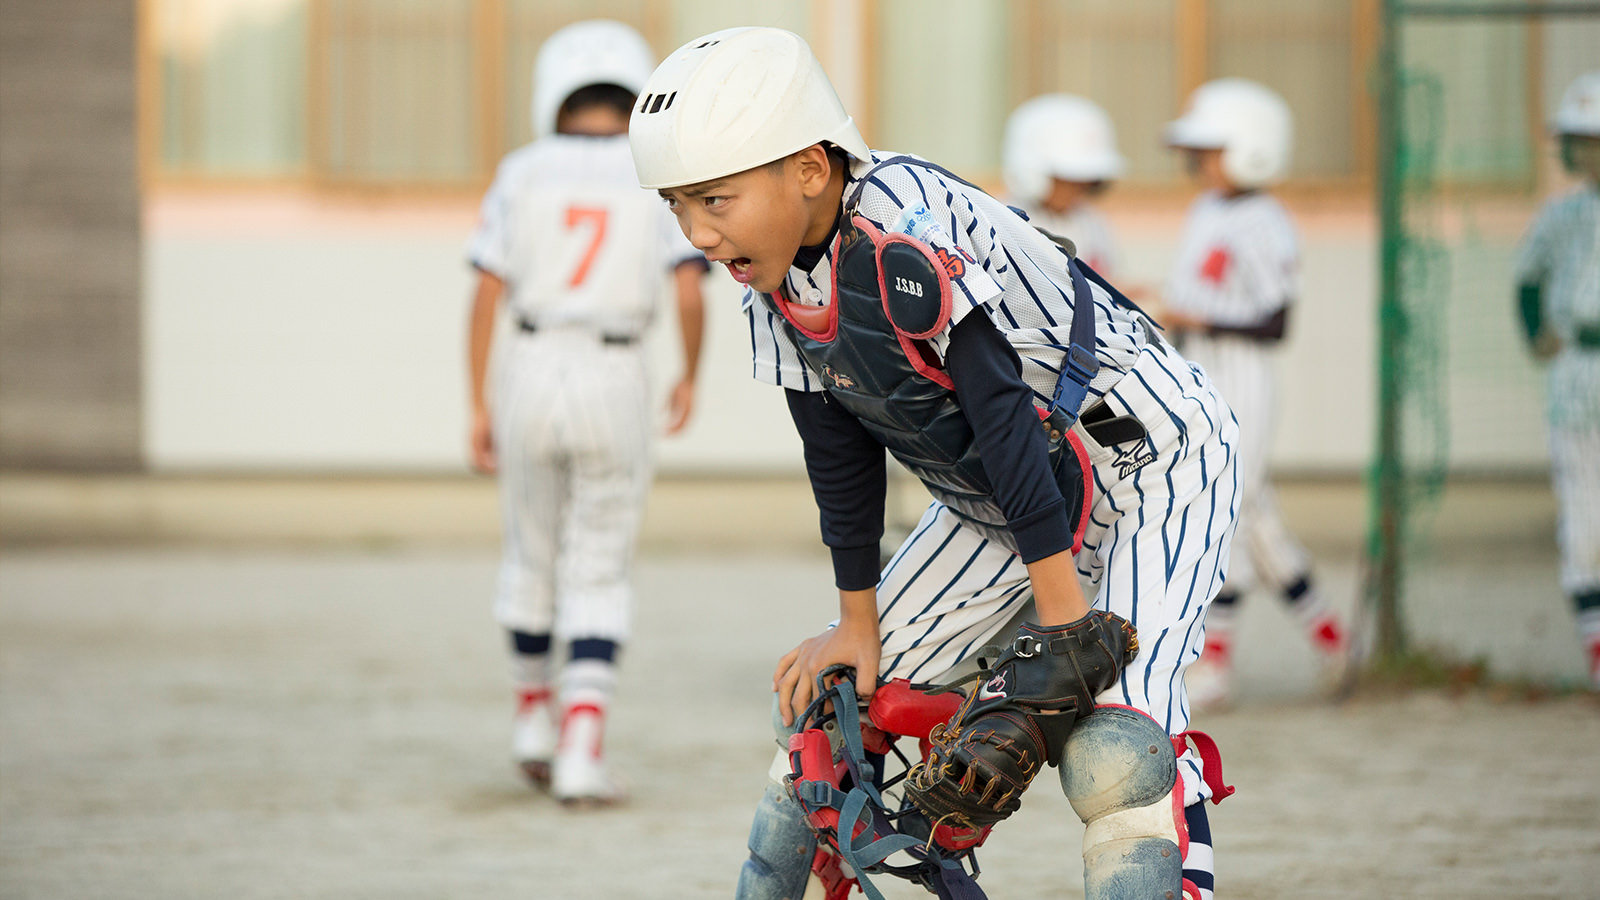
(915, 346)
(822, 323)
(819, 323)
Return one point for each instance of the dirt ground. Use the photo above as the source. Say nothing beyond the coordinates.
(184, 722)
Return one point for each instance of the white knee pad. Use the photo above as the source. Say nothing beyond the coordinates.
(1120, 773)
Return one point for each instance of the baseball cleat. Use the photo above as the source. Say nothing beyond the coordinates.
(533, 736)
(580, 776)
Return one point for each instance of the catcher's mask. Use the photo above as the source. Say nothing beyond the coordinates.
(842, 796)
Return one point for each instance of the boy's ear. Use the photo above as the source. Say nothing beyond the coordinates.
(813, 167)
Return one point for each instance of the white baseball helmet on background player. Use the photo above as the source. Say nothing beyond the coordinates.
(1057, 136)
(1247, 121)
(684, 133)
(598, 51)
(1577, 124)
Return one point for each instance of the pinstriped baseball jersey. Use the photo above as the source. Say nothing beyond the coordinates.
(576, 240)
(1238, 260)
(1562, 250)
(1019, 276)
(1086, 228)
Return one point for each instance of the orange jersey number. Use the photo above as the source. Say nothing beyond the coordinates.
(580, 215)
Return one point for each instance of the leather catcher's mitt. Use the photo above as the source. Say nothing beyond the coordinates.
(1018, 717)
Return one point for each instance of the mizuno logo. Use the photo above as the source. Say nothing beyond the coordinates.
(1133, 459)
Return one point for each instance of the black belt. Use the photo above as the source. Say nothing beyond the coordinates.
(1588, 336)
(615, 340)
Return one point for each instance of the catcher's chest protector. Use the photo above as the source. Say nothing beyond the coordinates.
(869, 347)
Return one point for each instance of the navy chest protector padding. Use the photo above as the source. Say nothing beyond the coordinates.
(869, 347)
(916, 291)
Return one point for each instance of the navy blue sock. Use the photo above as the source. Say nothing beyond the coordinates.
(525, 644)
(1199, 866)
(594, 648)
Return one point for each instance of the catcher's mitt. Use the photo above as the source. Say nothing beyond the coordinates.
(1018, 717)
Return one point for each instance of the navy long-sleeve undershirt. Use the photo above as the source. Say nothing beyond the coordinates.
(846, 463)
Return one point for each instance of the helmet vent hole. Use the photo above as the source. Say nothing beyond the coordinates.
(706, 44)
(654, 103)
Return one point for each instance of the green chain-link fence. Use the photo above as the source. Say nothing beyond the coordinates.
(1463, 91)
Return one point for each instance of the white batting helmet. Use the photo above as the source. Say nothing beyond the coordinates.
(1057, 136)
(1579, 113)
(598, 51)
(733, 100)
(1247, 121)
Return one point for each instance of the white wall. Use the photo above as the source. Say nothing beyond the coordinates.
(285, 335)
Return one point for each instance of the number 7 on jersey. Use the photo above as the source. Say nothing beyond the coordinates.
(578, 216)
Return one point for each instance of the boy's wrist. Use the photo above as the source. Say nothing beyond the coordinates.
(858, 609)
(855, 568)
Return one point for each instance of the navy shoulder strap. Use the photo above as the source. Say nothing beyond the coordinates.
(901, 160)
(1079, 366)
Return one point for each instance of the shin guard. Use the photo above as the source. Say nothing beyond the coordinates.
(1120, 773)
(782, 847)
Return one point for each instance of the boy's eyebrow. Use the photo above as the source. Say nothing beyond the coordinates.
(696, 190)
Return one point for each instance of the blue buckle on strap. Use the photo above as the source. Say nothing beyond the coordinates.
(1079, 366)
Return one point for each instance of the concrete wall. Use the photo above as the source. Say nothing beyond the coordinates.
(291, 333)
(69, 235)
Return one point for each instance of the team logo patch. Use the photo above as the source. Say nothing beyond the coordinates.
(838, 378)
(952, 264)
(918, 223)
(1133, 458)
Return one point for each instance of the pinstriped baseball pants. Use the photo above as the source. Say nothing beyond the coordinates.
(573, 428)
(1266, 553)
(1575, 471)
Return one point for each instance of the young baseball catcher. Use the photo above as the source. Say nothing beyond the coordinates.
(901, 308)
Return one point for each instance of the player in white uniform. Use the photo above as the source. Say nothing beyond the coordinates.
(1558, 273)
(1233, 282)
(578, 253)
(1060, 153)
(744, 136)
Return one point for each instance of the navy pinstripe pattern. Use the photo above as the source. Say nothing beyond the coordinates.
(1156, 551)
(1035, 306)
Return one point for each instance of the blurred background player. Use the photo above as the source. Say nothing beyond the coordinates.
(1558, 277)
(1227, 299)
(578, 252)
(1059, 153)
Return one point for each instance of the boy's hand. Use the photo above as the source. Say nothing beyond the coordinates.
(680, 404)
(1546, 346)
(482, 439)
(854, 645)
